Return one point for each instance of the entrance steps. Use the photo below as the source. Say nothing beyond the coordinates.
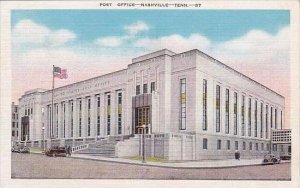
(104, 147)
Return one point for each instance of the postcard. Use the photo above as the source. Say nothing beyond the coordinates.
(115, 93)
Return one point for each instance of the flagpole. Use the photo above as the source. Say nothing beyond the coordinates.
(51, 132)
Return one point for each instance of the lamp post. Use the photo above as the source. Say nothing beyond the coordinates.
(43, 128)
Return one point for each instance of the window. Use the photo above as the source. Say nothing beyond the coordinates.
(244, 145)
(249, 117)
(236, 143)
(13, 133)
(98, 114)
(281, 148)
(256, 146)
(119, 113)
(218, 108)
(80, 106)
(13, 124)
(108, 114)
(64, 120)
(227, 112)
(235, 114)
(138, 89)
(182, 104)
(261, 120)
(98, 101)
(262, 146)
(98, 125)
(204, 143)
(255, 120)
(268, 147)
(219, 144)
(250, 145)
(204, 104)
(108, 100)
(89, 126)
(120, 98)
(89, 117)
(271, 117)
(119, 123)
(108, 124)
(145, 88)
(280, 119)
(243, 115)
(275, 118)
(274, 147)
(152, 87)
(56, 117)
(71, 116)
(89, 103)
(267, 126)
(228, 144)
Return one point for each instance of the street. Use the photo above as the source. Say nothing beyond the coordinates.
(40, 166)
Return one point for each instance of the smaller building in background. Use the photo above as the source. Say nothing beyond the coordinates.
(14, 122)
(281, 142)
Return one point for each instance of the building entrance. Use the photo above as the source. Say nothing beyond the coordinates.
(142, 118)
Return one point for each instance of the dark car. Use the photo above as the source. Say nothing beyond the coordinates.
(20, 148)
(57, 151)
(271, 159)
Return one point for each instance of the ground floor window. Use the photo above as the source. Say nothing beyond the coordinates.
(204, 143)
(244, 145)
(228, 144)
(98, 126)
(262, 146)
(219, 144)
(236, 145)
(250, 145)
(256, 146)
(108, 124)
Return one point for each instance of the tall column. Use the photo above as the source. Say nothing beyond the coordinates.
(59, 119)
(113, 113)
(84, 118)
(103, 115)
(75, 118)
(67, 120)
(93, 116)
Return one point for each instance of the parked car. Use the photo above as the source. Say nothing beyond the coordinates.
(271, 159)
(20, 148)
(285, 156)
(56, 151)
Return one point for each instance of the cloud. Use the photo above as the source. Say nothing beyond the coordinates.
(27, 32)
(131, 31)
(109, 41)
(175, 42)
(61, 37)
(136, 28)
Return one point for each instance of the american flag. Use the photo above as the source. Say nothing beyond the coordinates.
(60, 73)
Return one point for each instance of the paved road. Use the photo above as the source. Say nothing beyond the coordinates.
(40, 166)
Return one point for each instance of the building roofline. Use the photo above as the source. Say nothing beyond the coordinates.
(175, 54)
(228, 67)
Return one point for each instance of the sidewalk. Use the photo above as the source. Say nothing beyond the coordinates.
(226, 163)
(188, 164)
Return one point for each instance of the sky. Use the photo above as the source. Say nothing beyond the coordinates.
(89, 43)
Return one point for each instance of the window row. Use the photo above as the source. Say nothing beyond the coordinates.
(228, 145)
(145, 88)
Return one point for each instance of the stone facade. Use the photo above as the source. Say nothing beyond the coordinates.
(190, 98)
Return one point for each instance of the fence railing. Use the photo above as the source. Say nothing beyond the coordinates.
(81, 147)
